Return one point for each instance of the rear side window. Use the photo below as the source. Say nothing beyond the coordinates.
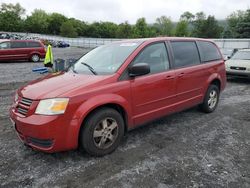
(185, 53)
(18, 44)
(34, 44)
(208, 51)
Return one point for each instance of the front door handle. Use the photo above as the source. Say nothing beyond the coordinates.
(169, 77)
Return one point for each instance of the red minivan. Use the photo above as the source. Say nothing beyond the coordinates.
(115, 88)
(31, 50)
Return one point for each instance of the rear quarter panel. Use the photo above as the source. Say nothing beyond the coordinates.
(217, 71)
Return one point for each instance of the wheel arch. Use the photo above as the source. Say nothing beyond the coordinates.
(87, 108)
(216, 82)
(214, 79)
(114, 106)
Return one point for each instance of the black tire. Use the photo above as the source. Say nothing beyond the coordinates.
(35, 58)
(207, 106)
(102, 143)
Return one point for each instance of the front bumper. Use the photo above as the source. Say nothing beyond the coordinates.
(238, 73)
(46, 133)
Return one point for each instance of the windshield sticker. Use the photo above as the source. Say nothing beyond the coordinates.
(128, 44)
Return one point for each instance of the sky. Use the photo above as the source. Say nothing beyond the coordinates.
(119, 11)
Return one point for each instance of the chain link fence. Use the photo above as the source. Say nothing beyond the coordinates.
(94, 42)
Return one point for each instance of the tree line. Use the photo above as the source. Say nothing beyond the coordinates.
(13, 19)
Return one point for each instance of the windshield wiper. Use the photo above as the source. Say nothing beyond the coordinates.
(90, 68)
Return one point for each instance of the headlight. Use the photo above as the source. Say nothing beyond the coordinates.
(52, 106)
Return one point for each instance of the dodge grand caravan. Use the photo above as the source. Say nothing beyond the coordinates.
(115, 88)
(31, 50)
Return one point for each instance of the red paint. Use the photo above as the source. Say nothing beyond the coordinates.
(12, 54)
(143, 98)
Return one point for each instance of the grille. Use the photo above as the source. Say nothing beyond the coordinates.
(23, 106)
(238, 68)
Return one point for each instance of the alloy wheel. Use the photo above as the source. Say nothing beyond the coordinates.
(105, 133)
(213, 98)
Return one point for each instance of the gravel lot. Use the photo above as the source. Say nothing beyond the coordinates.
(188, 149)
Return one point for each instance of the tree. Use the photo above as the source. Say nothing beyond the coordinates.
(55, 21)
(182, 29)
(79, 26)
(198, 24)
(93, 30)
(37, 22)
(67, 29)
(206, 27)
(107, 29)
(164, 26)
(232, 21)
(11, 17)
(187, 16)
(211, 28)
(141, 29)
(243, 26)
(15, 9)
(124, 30)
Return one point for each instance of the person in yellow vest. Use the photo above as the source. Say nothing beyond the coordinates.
(48, 61)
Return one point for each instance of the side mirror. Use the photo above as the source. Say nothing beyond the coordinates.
(139, 69)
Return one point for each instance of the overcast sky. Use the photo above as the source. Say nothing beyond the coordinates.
(130, 10)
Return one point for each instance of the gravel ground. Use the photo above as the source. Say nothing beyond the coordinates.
(187, 149)
(22, 71)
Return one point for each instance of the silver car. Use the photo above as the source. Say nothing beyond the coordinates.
(239, 64)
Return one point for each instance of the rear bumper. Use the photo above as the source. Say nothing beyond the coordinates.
(43, 55)
(46, 133)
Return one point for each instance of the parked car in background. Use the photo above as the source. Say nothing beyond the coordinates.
(228, 52)
(62, 44)
(239, 64)
(31, 50)
(56, 44)
(115, 88)
(4, 36)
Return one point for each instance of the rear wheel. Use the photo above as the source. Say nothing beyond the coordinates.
(35, 58)
(102, 132)
(211, 99)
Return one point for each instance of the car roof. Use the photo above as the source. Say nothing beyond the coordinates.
(4, 40)
(8, 40)
(29, 40)
(156, 39)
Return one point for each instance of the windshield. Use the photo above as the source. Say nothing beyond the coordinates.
(104, 59)
(242, 55)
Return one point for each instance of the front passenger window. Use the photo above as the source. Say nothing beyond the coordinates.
(155, 56)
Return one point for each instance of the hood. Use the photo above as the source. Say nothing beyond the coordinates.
(57, 84)
(238, 63)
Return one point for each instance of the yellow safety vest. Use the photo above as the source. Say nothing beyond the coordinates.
(49, 56)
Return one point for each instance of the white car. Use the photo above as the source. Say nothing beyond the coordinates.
(239, 64)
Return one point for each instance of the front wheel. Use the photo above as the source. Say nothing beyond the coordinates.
(102, 132)
(211, 99)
